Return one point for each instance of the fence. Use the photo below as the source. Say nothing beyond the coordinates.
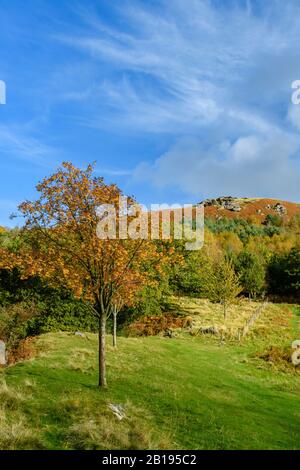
(242, 332)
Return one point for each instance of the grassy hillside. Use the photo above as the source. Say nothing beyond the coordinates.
(276, 325)
(188, 392)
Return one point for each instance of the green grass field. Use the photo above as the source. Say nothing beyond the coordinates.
(182, 393)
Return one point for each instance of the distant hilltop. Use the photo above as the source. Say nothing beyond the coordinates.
(258, 208)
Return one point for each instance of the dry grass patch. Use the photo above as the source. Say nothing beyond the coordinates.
(275, 321)
(82, 360)
(11, 398)
(14, 431)
(273, 325)
(30, 383)
(92, 430)
(279, 358)
(16, 435)
(206, 314)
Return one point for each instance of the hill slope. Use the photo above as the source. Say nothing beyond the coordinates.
(178, 393)
(250, 207)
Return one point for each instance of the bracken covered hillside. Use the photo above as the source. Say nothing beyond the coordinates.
(256, 209)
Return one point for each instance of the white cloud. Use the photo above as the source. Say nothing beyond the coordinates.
(251, 166)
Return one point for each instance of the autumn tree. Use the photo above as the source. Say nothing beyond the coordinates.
(221, 283)
(61, 244)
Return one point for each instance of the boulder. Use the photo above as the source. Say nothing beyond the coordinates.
(168, 333)
(280, 208)
(118, 410)
(212, 330)
(227, 202)
(78, 333)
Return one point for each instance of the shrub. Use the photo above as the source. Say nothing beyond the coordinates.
(243, 228)
(284, 273)
(14, 322)
(273, 219)
(152, 301)
(151, 326)
(53, 309)
(62, 314)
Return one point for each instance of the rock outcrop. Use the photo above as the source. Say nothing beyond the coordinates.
(278, 207)
(227, 202)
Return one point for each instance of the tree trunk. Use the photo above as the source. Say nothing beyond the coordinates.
(114, 328)
(102, 363)
(224, 311)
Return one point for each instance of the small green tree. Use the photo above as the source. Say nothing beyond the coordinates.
(221, 283)
(252, 273)
(186, 277)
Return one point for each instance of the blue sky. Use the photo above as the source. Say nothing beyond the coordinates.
(176, 100)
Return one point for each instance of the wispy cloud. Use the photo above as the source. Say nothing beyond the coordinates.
(201, 88)
(182, 63)
(16, 143)
(216, 78)
(113, 172)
